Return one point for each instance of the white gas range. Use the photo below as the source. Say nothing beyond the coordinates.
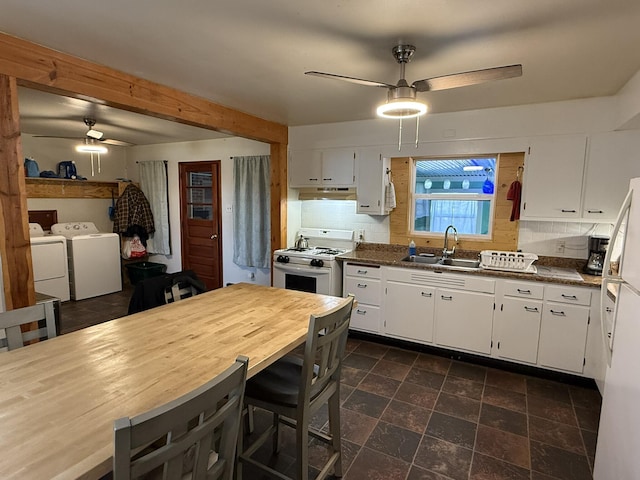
(315, 268)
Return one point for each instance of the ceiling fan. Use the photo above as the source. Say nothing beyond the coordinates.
(92, 136)
(401, 97)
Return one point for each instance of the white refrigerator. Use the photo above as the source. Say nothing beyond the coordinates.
(618, 446)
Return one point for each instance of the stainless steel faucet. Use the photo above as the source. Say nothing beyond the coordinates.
(445, 251)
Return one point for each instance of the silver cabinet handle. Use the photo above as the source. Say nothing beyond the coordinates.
(531, 309)
(560, 313)
(527, 292)
(313, 179)
(567, 211)
(569, 297)
(214, 236)
(608, 309)
(362, 285)
(361, 312)
(443, 297)
(327, 179)
(365, 206)
(425, 294)
(595, 211)
(362, 272)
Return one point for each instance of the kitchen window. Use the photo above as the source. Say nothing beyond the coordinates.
(453, 191)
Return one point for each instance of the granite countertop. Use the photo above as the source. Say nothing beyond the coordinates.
(551, 269)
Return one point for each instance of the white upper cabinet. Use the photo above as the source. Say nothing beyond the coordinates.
(372, 179)
(322, 168)
(553, 177)
(613, 158)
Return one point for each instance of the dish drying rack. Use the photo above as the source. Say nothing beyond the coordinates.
(508, 261)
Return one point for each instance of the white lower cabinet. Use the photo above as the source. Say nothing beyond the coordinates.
(517, 320)
(464, 320)
(363, 281)
(518, 329)
(409, 311)
(563, 336)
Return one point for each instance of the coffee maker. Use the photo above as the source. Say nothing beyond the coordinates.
(597, 250)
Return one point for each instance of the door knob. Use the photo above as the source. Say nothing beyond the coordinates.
(214, 236)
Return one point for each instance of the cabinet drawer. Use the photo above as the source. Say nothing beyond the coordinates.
(365, 317)
(575, 296)
(366, 290)
(524, 290)
(362, 270)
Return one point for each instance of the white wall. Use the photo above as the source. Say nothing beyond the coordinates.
(48, 152)
(205, 150)
(469, 132)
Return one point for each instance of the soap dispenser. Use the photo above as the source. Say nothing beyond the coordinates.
(412, 248)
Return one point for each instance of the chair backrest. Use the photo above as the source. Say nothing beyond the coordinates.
(11, 322)
(324, 350)
(192, 437)
(179, 291)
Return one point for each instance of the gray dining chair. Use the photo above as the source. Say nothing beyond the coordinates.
(12, 320)
(293, 389)
(193, 437)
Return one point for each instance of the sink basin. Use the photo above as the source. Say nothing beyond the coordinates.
(453, 263)
(460, 262)
(421, 259)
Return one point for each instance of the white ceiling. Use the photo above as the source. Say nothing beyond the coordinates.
(251, 55)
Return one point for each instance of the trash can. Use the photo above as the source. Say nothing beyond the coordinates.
(139, 271)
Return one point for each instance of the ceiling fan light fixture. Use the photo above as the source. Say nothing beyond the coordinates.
(402, 108)
(91, 148)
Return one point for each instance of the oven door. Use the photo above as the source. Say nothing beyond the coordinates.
(303, 278)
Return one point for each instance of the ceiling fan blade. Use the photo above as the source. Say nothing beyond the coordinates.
(58, 136)
(359, 81)
(467, 78)
(120, 143)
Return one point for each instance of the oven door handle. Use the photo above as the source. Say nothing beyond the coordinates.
(311, 271)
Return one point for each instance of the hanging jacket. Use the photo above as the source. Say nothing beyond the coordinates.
(132, 208)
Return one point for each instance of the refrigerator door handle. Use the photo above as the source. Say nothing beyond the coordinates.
(608, 277)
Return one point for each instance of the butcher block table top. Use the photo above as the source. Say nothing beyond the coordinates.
(59, 398)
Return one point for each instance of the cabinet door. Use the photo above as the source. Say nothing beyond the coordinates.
(611, 161)
(464, 320)
(305, 168)
(553, 177)
(371, 182)
(408, 311)
(563, 336)
(518, 329)
(338, 168)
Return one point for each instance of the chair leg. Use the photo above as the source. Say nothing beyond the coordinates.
(302, 447)
(334, 430)
(275, 440)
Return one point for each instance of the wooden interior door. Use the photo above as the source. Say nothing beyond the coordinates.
(201, 221)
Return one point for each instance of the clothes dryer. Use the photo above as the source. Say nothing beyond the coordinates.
(93, 259)
(49, 259)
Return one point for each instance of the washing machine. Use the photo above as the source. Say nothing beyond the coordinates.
(93, 258)
(49, 258)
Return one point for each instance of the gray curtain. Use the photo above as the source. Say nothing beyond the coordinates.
(153, 183)
(251, 220)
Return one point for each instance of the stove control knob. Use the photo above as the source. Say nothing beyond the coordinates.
(316, 263)
(282, 259)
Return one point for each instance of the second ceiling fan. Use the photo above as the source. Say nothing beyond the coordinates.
(401, 97)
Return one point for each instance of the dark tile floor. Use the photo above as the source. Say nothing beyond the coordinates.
(414, 416)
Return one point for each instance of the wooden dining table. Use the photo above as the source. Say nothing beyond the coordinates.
(60, 397)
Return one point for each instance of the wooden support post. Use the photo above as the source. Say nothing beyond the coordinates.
(15, 247)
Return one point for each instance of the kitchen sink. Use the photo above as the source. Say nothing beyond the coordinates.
(430, 260)
(460, 262)
(453, 263)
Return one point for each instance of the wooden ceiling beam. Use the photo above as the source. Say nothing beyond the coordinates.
(40, 67)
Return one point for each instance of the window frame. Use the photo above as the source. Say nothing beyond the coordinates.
(413, 196)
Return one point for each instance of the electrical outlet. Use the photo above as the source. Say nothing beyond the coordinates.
(560, 244)
(361, 234)
(229, 209)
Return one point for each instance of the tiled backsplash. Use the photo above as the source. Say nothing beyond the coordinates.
(559, 239)
(554, 239)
